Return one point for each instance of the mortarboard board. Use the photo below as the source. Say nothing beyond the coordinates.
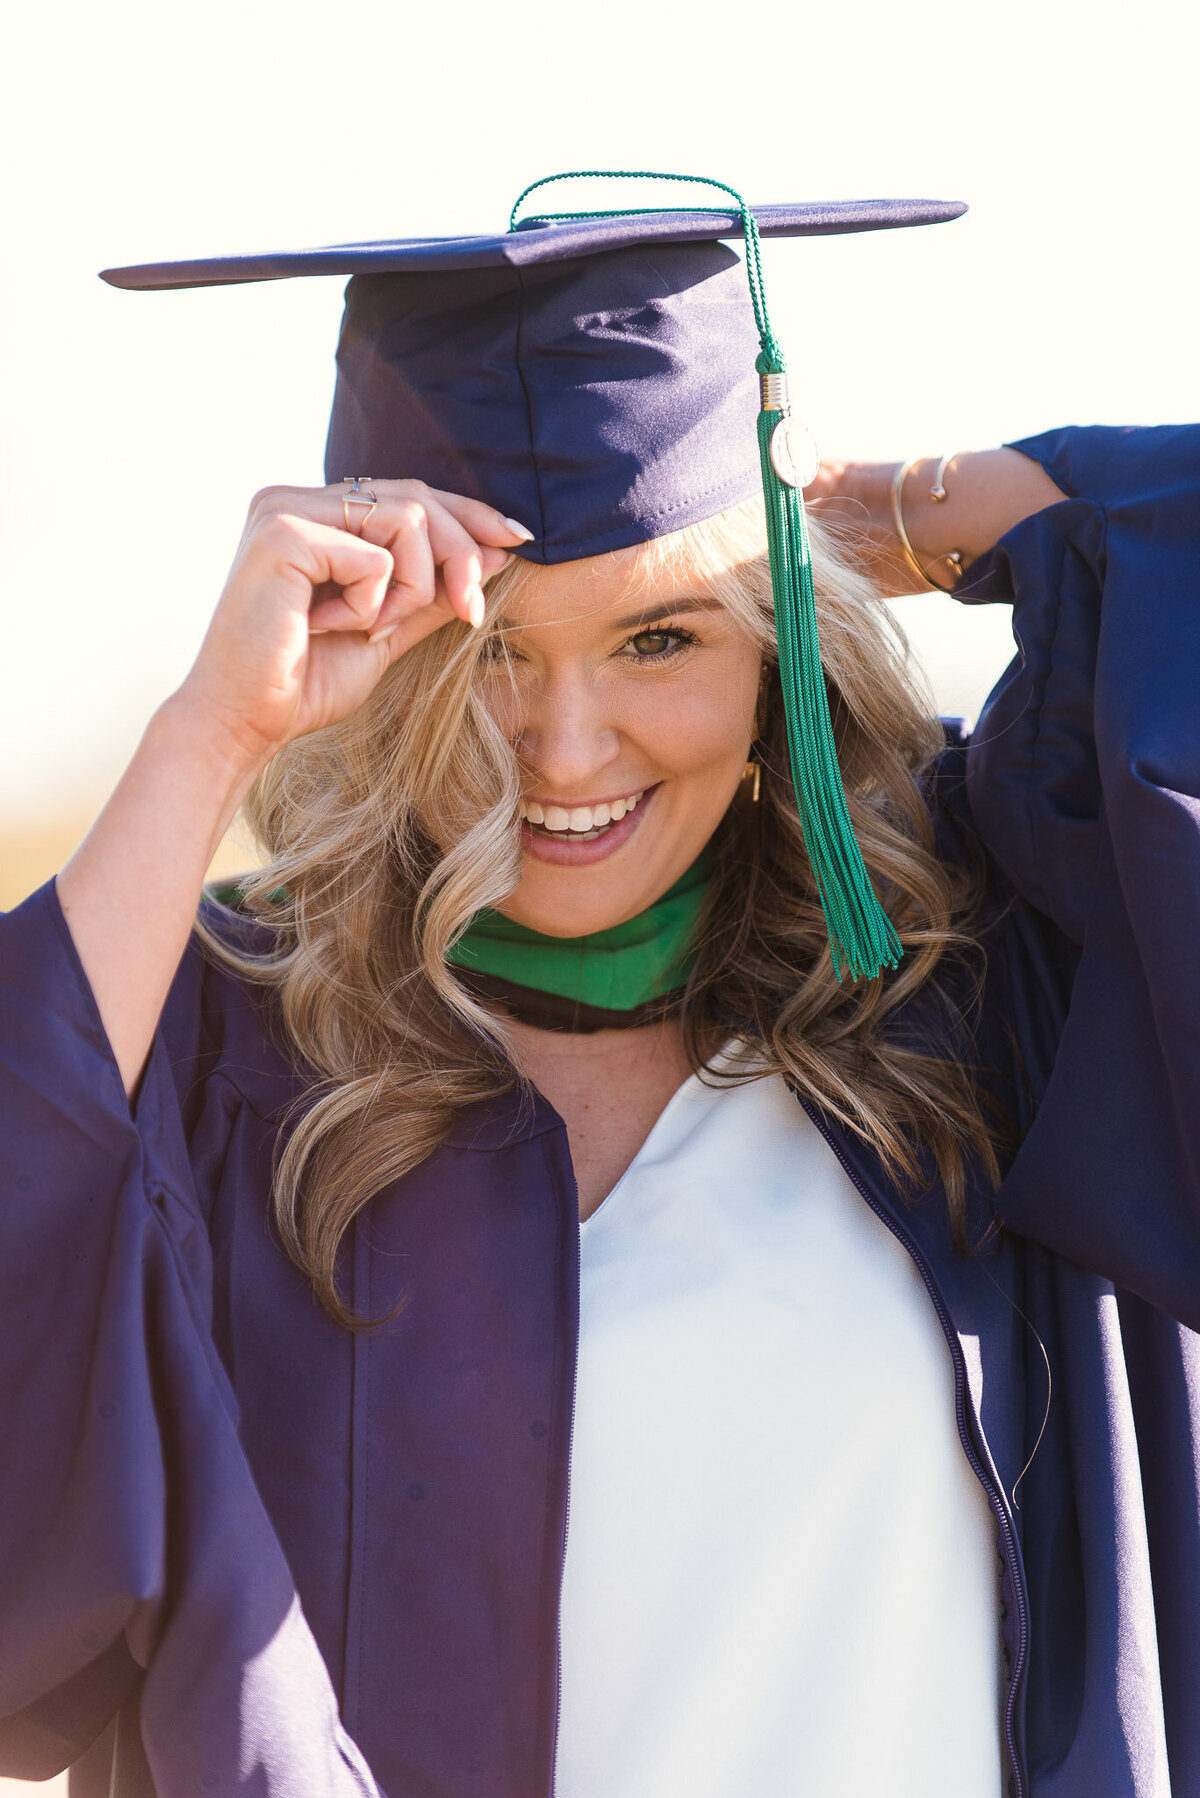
(599, 377)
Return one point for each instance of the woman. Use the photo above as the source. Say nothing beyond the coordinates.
(877, 1411)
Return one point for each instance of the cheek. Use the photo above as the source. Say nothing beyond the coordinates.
(698, 720)
(502, 703)
(698, 723)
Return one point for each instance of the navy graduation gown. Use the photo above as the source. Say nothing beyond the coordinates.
(243, 1550)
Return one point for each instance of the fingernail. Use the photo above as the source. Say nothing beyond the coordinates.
(475, 609)
(389, 630)
(519, 530)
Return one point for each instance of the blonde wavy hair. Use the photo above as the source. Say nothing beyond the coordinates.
(361, 903)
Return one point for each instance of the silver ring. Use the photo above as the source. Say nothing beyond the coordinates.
(359, 496)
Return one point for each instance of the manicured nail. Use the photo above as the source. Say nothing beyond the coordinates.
(475, 609)
(519, 530)
(389, 630)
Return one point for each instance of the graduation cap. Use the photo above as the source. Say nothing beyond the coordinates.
(605, 378)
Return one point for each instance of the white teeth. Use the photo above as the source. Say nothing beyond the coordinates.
(579, 819)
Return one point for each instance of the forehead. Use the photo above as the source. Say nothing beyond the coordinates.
(601, 593)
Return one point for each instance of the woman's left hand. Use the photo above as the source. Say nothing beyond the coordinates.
(987, 492)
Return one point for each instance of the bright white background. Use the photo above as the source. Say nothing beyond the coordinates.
(135, 427)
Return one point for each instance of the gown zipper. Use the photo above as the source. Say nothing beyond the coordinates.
(1018, 1783)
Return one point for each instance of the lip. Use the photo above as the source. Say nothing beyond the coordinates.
(561, 852)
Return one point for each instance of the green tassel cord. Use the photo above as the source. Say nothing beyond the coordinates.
(862, 938)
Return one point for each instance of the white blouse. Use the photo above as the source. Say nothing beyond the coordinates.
(781, 1573)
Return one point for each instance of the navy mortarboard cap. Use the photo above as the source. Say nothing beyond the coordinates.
(593, 377)
(599, 377)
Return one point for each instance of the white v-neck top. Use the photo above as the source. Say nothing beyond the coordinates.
(781, 1574)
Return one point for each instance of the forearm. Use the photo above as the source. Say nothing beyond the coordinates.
(130, 891)
(987, 492)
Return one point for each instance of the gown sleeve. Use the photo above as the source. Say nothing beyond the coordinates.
(1083, 779)
(138, 1565)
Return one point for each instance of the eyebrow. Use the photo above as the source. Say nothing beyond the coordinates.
(669, 608)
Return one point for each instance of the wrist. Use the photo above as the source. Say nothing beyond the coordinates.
(232, 758)
(205, 757)
(939, 541)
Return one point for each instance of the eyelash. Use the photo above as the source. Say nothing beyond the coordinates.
(680, 640)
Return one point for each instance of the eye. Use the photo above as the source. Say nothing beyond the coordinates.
(659, 645)
(494, 649)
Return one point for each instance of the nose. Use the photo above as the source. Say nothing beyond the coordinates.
(567, 739)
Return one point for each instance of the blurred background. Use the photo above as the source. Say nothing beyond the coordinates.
(136, 426)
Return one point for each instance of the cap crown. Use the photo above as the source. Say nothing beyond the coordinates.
(601, 401)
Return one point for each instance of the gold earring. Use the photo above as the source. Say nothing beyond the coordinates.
(754, 766)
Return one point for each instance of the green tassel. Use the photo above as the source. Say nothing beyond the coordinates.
(862, 939)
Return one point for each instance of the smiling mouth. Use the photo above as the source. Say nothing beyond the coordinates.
(577, 823)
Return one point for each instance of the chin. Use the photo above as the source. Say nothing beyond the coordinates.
(566, 902)
(576, 904)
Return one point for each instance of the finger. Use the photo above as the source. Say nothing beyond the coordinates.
(333, 614)
(485, 524)
(462, 578)
(330, 612)
(394, 639)
(395, 522)
(314, 559)
(453, 555)
(404, 531)
(494, 560)
(465, 563)
(416, 579)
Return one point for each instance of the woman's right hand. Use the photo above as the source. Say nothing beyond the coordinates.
(311, 617)
(313, 614)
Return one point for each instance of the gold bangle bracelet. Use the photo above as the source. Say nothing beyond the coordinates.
(898, 480)
(937, 493)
